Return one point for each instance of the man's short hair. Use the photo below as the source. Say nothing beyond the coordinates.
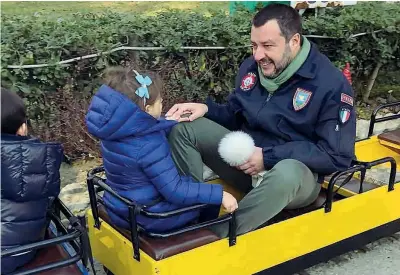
(13, 113)
(288, 19)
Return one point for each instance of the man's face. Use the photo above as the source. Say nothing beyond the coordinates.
(270, 49)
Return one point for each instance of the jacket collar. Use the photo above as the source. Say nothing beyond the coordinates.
(309, 67)
(307, 70)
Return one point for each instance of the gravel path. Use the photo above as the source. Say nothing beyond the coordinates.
(380, 257)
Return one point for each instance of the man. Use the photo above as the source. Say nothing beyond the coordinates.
(297, 107)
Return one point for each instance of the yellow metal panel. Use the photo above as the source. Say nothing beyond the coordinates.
(260, 249)
(114, 251)
(272, 245)
(371, 149)
(230, 189)
(342, 191)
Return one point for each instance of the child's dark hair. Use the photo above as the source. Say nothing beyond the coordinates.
(123, 80)
(13, 113)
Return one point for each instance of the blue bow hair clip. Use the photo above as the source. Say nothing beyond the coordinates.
(142, 91)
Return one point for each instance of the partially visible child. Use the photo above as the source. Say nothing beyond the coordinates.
(30, 180)
(125, 115)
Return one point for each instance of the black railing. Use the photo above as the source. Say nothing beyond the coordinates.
(136, 209)
(359, 167)
(69, 235)
(381, 119)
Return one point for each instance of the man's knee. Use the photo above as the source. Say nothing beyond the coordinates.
(291, 170)
(288, 175)
(186, 130)
(178, 133)
(182, 128)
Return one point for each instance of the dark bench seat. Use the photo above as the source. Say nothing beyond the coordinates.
(50, 255)
(391, 136)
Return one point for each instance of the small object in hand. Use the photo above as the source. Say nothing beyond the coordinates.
(182, 116)
(185, 115)
(235, 148)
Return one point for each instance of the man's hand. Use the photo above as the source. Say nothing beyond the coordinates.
(255, 164)
(191, 111)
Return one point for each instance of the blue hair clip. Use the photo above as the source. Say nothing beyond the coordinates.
(142, 91)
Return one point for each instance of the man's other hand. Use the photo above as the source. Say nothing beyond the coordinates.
(255, 164)
(186, 111)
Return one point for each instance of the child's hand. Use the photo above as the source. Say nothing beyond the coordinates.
(229, 202)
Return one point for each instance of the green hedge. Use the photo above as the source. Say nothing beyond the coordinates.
(55, 94)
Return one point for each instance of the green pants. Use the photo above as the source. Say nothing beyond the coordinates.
(289, 184)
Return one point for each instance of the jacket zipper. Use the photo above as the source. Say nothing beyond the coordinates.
(265, 103)
(271, 94)
(268, 98)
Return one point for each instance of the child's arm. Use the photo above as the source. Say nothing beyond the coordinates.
(157, 163)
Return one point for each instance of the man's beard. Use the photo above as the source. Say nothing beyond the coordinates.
(283, 63)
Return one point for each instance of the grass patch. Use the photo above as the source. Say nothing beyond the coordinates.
(65, 8)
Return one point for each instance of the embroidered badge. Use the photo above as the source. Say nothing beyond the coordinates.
(346, 99)
(248, 81)
(301, 99)
(344, 115)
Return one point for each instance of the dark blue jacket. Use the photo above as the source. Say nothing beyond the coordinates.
(30, 180)
(138, 163)
(310, 118)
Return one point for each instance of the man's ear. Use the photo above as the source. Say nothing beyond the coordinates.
(296, 40)
(23, 130)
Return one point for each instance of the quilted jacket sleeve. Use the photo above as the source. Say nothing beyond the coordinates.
(156, 161)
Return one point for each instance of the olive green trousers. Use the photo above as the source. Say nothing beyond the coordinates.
(289, 184)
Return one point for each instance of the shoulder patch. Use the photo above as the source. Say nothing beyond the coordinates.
(301, 99)
(248, 81)
(344, 114)
(346, 99)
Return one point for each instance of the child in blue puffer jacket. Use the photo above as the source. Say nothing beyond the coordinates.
(125, 115)
(30, 181)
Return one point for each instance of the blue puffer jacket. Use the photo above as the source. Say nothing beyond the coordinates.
(138, 163)
(30, 180)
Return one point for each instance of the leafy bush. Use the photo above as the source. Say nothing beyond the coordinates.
(57, 96)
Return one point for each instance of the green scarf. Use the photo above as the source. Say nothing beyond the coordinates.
(271, 85)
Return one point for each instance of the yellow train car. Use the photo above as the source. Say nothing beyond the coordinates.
(350, 212)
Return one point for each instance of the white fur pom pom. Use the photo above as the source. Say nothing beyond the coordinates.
(236, 148)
